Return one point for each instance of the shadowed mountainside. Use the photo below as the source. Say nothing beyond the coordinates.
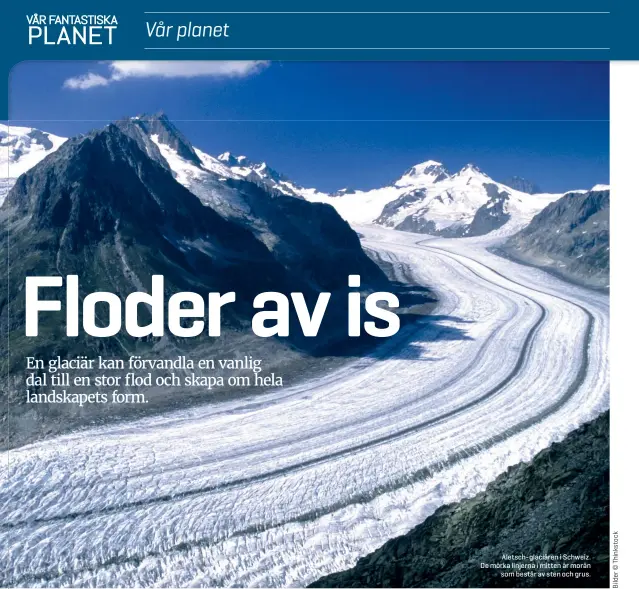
(105, 208)
(570, 237)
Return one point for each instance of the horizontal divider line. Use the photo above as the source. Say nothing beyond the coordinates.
(379, 48)
(389, 12)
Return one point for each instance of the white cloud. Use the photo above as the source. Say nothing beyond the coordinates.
(122, 70)
(86, 81)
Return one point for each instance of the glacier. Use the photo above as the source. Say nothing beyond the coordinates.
(280, 489)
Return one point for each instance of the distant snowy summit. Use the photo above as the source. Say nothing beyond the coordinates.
(426, 198)
(426, 173)
(21, 148)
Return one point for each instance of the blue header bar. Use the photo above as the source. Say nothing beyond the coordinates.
(328, 30)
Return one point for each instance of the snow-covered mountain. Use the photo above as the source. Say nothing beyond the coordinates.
(260, 173)
(21, 148)
(427, 198)
(307, 238)
(466, 203)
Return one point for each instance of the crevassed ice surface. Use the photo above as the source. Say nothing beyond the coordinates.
(283, 488)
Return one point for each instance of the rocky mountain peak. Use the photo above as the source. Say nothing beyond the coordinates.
(159, 129)
(522, 185)
(258, 172)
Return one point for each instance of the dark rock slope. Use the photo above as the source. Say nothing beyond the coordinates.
(309, 239)
(556, 504)
(523, 185)
(103, 207)
(100, 209)
(570, 237)
(491, 215)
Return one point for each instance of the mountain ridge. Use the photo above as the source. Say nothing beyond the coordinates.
(522, 185)
(308, 238)
(426, 198)
(570, 237)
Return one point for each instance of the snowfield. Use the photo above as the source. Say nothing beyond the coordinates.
(429, 191)
(24, 147)
(21, 148)
(288, 486)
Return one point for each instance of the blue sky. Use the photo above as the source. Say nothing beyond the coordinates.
(356, 124)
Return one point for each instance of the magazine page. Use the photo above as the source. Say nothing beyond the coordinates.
(316, 296)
